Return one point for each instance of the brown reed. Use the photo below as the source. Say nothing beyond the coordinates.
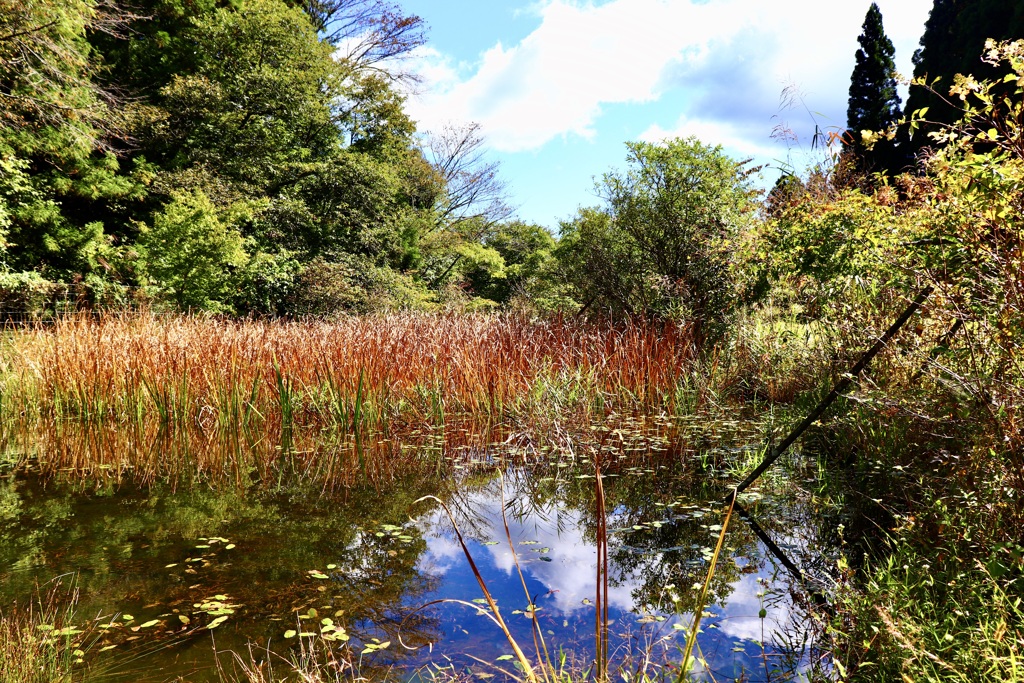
(362, 371)
(152, 397)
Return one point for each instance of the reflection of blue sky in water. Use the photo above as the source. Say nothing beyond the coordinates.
(570, 573)
(373, 570)
(559, 567)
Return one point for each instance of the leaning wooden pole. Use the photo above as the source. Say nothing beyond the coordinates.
(841, 386)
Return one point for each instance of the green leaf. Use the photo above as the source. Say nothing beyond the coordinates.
(216, 622)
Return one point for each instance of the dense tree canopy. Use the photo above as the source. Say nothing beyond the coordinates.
(221, 154)
(255, 156)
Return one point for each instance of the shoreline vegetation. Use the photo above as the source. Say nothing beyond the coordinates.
(374, 370)
(326, 398)
(79, 402)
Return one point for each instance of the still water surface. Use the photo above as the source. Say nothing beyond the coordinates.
(380, 562)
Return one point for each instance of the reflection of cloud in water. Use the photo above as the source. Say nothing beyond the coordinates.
(570, 578)
(442, 553)
(739, 619)
(571, 573)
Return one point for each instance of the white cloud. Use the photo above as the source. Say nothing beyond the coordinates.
(728, 59)
(737, 93)
(556, 79)
(742, 143)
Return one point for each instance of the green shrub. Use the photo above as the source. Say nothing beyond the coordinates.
(662, 245)
(27, 293)
(191, 252)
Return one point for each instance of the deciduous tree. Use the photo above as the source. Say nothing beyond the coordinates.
(660, 245)
(190, 250)
(474, 199)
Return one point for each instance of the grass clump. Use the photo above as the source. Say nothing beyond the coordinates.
(931, 616)
(41, 643)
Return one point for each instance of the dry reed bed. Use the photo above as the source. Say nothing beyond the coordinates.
(367, 370)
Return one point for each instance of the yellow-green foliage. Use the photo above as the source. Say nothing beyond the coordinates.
(189, 249)
(39, 644)
(978, 203)
(937, 432)
(831, 237)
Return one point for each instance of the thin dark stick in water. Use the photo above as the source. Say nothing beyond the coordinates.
(601, 597)
(838, 389)
(812, 585)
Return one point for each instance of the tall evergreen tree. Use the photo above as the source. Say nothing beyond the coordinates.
(953, 42)
(874, 103)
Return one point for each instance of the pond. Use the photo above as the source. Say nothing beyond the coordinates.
(380, 570)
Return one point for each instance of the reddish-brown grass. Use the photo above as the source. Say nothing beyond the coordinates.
(368, 369)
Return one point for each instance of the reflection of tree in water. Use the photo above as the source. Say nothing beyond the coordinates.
(676, 552)
(378, 584)
(648, 558)
(672, 556)
(122, 539)
(119, 545)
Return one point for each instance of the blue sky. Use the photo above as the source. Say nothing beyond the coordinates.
(558, 86)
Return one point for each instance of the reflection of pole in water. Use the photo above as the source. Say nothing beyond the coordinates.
(813, 586)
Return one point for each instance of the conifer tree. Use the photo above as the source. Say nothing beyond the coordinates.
(953, 42)
(874, 103)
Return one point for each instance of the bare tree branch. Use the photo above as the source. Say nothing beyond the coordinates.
(368, 33)
(474, 192)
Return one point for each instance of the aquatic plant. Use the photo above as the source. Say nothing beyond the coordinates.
(41, 642)
(358, 372)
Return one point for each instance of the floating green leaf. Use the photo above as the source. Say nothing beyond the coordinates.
(216, 622)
